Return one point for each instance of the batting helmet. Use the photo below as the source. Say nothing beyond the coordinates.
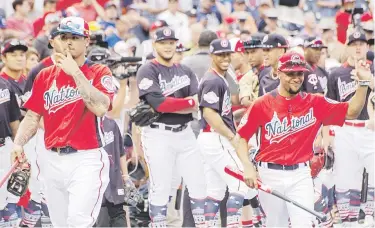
(74, 25)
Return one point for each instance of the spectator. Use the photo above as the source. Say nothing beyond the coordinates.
(111, 15)
(18, 24)
(49, 6)
(310, 29)
(139, 25)
(335, 48)
(211, 13)
(262, 9)
(89, 10)
(244, 18)
(343, 19)
(192, 16)
(195, 31)
(272, 23)
(177, 21)
(41, 42)
(328, 8)
(32, 59)
(34, 13)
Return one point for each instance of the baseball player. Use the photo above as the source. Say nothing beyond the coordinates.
(288, 120)
(71, 96)
(312, 51)
(274, 46)
(171, 90)
(13, 55)
(217, 130)
(353, 142)
(9, 122)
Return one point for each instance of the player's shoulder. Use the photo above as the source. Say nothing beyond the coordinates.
(185, 68)
(4, 84)
(342, 70)
(149, 66)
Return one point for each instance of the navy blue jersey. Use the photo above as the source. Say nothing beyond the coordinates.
(311, 82)
(267, 82)
(17, 86)
(214, 93)
(9, 108)
(341, 87)
(176, 81)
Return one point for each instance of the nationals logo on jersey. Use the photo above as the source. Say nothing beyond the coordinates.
(277, 130)
(177, 82)
(4, 95)
(55, 98)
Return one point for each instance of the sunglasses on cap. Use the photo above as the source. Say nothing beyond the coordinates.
(294, 73)
(16, 42)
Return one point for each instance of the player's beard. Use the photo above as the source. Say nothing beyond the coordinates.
(294, 92)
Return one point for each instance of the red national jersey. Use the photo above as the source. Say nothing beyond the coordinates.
(288, 127)
(67, 121)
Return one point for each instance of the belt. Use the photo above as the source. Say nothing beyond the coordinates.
(355, 124)
(281, 167)
(64, 150)
(169, 128)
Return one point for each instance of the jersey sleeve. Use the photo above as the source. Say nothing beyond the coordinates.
(14, 109)
(103, 81)
(333, 112)
(331, 88)
(251, 121)
(35, 100)
(147, 80)
(210, 95)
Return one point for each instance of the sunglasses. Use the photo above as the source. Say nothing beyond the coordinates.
(294, 74)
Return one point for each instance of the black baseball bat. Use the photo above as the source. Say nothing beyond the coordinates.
(364, 189)
(239, 175)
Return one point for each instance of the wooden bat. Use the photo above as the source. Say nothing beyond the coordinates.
(239, 175)
(11, 170)
(364, 189)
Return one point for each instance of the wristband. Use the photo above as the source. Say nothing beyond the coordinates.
(364, 82)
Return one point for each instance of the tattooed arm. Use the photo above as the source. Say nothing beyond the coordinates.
(96, 101)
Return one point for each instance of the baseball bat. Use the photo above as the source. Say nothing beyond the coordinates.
(11, 170)
(364, 189)
(239, 175)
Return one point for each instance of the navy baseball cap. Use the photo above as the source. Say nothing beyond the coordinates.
(253, 42)
(164, 34)
(357, 35)
(53, 33)
(274, 41)
(13, 45)
(219, 46)
(313, 42)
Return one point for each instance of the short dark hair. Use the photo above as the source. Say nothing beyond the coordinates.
(16, 3)
(206, 37)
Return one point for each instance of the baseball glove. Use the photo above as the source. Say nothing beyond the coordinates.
(132, 195)
(317, 164)
(143, 114)
(18, 182)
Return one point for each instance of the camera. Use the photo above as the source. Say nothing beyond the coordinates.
(98, 39)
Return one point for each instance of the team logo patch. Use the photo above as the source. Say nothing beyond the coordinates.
(227, 104)
(313, 79)
(167, 32)
(224, 43)
(211, 97)
(330, 100)
(145, 84)
(296, 59)
(356, 35)
(107, 83)
(265, 38)
(4, 95)
(278, 130)
(108, 137)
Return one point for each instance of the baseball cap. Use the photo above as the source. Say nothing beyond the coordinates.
(192, 13)
(272, 13)
(368, 26)
(158, 24)
(313, 42)
(253, 42)
(326, 24)
(292, 62)
(74, 25)
(357, 35)
(206, 37)
(274, 41)
(52, 34)
(218, 46)
(181, 48)
(11, 45)
(236, 45)
(164, 34)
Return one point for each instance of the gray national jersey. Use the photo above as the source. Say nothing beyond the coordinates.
(341, 87)
(214, 93)
(114, 146)
(176, 81)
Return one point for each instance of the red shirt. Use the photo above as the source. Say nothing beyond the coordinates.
(343, 20)
(67, 121)
(288, 127)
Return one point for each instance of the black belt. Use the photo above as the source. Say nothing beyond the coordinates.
(282, 167)
(64, 150)
(169, 128)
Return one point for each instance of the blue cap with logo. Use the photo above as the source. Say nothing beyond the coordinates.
(164, 33)
(219, 46)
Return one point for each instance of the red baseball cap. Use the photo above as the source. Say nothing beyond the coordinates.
(236, 45)
(292, 62)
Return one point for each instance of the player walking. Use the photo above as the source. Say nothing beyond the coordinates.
(217, 130)
(288, 121)
(9, 122)
(170, 141)
(353, 142)
(71, 97)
